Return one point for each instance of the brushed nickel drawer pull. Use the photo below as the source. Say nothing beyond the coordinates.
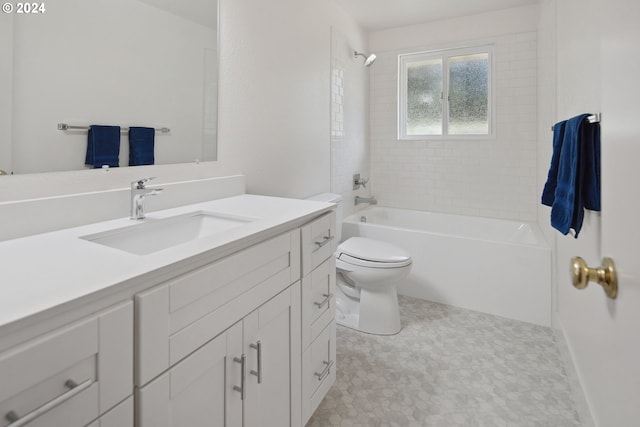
(325, 240)
(258, 346)
(240, 389)
(74, 389)
(327, 298)
(322, 375)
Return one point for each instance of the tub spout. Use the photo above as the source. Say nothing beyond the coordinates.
(371, 200)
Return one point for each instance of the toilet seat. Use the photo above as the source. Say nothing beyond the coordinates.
(364, 252)
(348, 259)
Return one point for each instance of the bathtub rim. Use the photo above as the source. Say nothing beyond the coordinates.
(541, 241)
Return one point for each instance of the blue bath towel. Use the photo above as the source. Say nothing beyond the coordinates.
(578, 177)
(103, 146)
(141, 146)
(548, 194)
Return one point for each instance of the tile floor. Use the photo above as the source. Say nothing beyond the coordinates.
(449, 367)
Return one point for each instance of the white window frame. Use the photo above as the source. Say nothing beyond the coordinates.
(444, 55)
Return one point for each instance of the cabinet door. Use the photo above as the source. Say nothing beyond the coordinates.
(199, 391)
(272, 347)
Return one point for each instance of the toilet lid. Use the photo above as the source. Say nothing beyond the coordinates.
(372, 251)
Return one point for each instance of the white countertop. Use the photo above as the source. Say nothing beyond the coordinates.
(47, 271)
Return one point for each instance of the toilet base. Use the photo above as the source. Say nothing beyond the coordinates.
(375, 312)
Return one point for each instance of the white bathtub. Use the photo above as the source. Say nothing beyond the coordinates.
(495, 266)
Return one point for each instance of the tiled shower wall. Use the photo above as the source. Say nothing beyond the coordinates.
(492, 178)
(349, 117)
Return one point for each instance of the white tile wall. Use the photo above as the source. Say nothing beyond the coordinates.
(349, 118)
(494, 178)
(337, 99)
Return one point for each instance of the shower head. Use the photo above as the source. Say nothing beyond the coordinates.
(368, 59)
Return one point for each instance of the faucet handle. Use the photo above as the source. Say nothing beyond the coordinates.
(139, 183)
(357, 182)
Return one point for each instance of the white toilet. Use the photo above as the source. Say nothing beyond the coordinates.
(367, 273)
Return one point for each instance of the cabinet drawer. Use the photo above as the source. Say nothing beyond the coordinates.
(318, 370)
(318, 241)
(318, 300)
(70, 376)
(176, 318)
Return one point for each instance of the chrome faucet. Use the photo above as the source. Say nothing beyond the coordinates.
(371, 200)
(138, 193)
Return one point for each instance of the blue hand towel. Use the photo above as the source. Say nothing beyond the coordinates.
(590, 162)
(548, 194)
(103, 146)
(141, 146)
(578, 179)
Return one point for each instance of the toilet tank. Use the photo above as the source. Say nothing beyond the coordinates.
(332, 198)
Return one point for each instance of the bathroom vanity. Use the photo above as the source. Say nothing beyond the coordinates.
(231, 325)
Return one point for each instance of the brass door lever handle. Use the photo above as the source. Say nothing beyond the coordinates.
(604, 275)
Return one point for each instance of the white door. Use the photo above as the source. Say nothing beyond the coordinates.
(604, 334)
(620, 342)
(621, 135)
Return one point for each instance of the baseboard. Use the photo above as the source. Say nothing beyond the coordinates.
(580, 401)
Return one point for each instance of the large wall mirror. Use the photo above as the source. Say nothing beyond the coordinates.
(109, 62)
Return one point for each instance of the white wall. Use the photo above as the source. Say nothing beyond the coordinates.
(495, 177)
(274, 94)
(547, 114)
(578, 91)
(349, 109)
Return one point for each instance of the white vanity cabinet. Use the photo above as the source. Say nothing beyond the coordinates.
(318, 311)
(242, 377)
(230, 329)
(220, 345)
(72, 375)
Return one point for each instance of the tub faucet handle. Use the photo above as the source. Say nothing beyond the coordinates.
(357, 181)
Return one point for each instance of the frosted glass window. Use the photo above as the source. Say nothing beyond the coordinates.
(445, 94)
(424, 97)
(469, 94)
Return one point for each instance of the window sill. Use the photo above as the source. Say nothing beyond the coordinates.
(446, 138)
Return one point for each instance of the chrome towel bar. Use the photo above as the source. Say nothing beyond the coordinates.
(594, 118)
(65, 126)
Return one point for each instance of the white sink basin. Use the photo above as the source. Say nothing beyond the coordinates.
(157, 234)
